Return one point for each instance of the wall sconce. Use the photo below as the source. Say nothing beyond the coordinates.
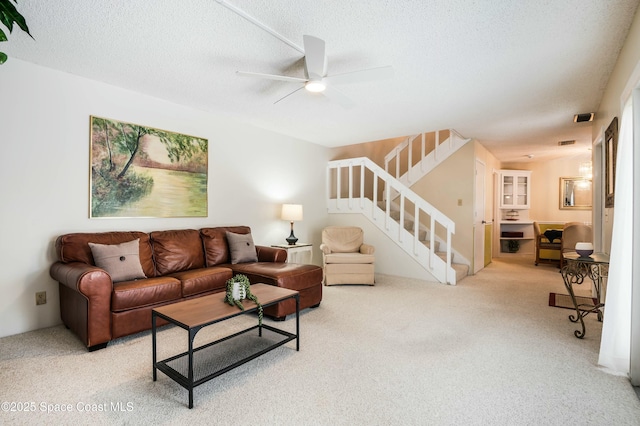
(292, 212)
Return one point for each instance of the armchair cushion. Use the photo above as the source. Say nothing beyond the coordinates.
(343, 239)
(350, 258)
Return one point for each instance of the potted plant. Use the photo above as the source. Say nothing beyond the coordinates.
(238, 288)
(8, 15)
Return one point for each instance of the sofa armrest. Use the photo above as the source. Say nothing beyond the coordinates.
(271, 254)
(325, 249)
(367, 249)
(83, 278)
(86, 288)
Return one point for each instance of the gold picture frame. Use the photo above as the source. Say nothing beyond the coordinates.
(575, 193)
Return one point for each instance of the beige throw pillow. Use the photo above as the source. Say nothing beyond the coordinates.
(241, 248)
(121, 261)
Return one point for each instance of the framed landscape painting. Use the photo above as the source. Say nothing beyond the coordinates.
(139, 171)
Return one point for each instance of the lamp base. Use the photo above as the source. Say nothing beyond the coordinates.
(292, 239)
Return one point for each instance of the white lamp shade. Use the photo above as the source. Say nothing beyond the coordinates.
(292, 212)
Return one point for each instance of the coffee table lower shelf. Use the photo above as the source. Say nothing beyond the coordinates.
(218, 357)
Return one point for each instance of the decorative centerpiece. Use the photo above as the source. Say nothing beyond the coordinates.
(584, 249)
(238, 289)
(512, 215)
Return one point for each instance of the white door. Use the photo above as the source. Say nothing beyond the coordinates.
(479, 219)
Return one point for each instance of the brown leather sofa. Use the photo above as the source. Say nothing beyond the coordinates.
(178, 265)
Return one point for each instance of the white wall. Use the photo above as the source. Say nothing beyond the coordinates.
(545, 188)
(44, 178)
(390, 258)
(612, 102)
(450, 188)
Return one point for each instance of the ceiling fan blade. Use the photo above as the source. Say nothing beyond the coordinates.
(259, 24)
(288, 94)
(314, 57)
(370, 74)
(336, 95)
(272, 76)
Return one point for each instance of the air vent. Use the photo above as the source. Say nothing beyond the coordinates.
(563, 143)
(580, 118)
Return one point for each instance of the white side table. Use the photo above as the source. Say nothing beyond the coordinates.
(297, 253)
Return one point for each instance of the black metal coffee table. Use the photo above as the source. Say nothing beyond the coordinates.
(199, 365)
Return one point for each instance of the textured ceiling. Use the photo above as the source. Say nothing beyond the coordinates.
(509, 73)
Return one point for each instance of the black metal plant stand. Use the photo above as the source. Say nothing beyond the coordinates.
(574, 272)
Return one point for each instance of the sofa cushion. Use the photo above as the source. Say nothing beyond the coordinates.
(216, 248)
(203, 280)
(135, 294)
(75, 247)
(288, 275)
(176, 251)
(241, 248)
(121, 261)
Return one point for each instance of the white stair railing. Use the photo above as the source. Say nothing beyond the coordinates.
(355, 185)
(445, 143)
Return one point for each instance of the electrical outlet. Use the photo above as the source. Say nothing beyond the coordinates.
(41, 297)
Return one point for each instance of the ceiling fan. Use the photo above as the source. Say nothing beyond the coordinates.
(315, 66)
(316, 78)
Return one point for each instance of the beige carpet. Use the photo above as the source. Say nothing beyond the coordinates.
(489, 351)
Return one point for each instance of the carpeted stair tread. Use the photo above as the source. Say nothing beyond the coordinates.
(461, 269)
(423, 236)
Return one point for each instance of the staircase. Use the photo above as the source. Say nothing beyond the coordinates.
(355, 185)
(461, 269)
(358, 185)
(434, 147)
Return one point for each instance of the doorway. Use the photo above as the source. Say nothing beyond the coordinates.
(479, 221)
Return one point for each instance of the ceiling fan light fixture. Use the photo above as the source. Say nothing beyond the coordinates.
(315, 86)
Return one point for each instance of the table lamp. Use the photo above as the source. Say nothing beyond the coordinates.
(292, 212)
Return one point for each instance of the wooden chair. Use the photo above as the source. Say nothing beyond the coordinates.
(548, 243)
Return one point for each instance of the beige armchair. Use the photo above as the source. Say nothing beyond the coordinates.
(346, 259)
(574, 232)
